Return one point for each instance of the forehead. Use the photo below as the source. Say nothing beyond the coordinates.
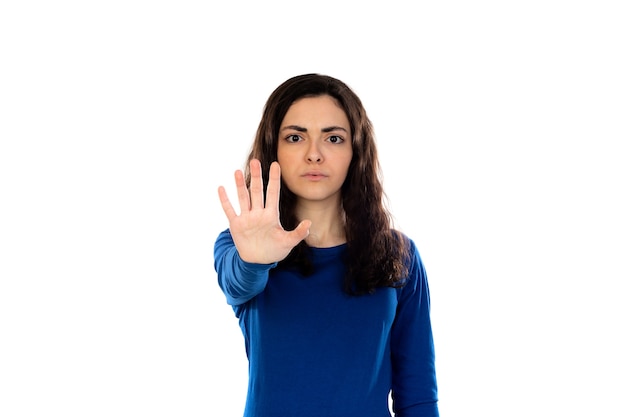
(319, 108)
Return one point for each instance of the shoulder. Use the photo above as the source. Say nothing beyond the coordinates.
(408, 244)
(412, 259)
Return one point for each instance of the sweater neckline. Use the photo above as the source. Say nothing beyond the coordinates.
(329, 251)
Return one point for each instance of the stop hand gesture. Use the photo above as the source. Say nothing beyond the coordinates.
(256, 231)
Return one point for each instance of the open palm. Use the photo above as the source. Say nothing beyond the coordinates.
(256, 231)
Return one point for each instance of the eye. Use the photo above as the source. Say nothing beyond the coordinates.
(335, 139)
(293, 138)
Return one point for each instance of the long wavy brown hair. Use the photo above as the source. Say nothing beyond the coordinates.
(377, 255)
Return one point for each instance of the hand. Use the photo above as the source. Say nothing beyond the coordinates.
(256, 231)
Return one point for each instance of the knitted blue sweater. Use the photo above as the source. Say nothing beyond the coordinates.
(314, 350)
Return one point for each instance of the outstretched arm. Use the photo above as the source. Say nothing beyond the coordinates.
(256, 230)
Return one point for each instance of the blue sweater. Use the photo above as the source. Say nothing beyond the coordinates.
(314, 350)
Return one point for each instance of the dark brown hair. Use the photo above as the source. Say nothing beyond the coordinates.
(377, 255)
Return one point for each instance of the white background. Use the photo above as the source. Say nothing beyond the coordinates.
(501, 128)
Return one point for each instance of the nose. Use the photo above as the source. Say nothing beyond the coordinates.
(314, 155)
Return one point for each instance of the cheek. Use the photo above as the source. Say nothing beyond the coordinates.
(347, 161)
(286, 165)
(282, 156)
(283, 161)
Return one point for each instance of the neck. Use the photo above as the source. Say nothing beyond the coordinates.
(328, 226)
(325, 239)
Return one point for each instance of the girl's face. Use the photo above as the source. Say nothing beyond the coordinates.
(315, 149)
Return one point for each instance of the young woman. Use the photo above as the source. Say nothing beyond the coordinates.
(333, 302)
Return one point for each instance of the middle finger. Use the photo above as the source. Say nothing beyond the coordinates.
(256, 184)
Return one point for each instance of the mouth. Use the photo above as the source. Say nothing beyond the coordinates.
(314, 176)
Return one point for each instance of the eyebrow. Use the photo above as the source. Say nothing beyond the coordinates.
(304, 129)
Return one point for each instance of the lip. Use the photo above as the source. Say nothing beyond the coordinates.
(314, 175)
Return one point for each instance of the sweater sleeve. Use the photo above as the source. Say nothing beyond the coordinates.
(239, 280)
(414, 384)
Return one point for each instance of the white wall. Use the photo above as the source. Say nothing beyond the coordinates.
(501, 130)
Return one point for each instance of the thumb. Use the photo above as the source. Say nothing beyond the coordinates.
(302, 231)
